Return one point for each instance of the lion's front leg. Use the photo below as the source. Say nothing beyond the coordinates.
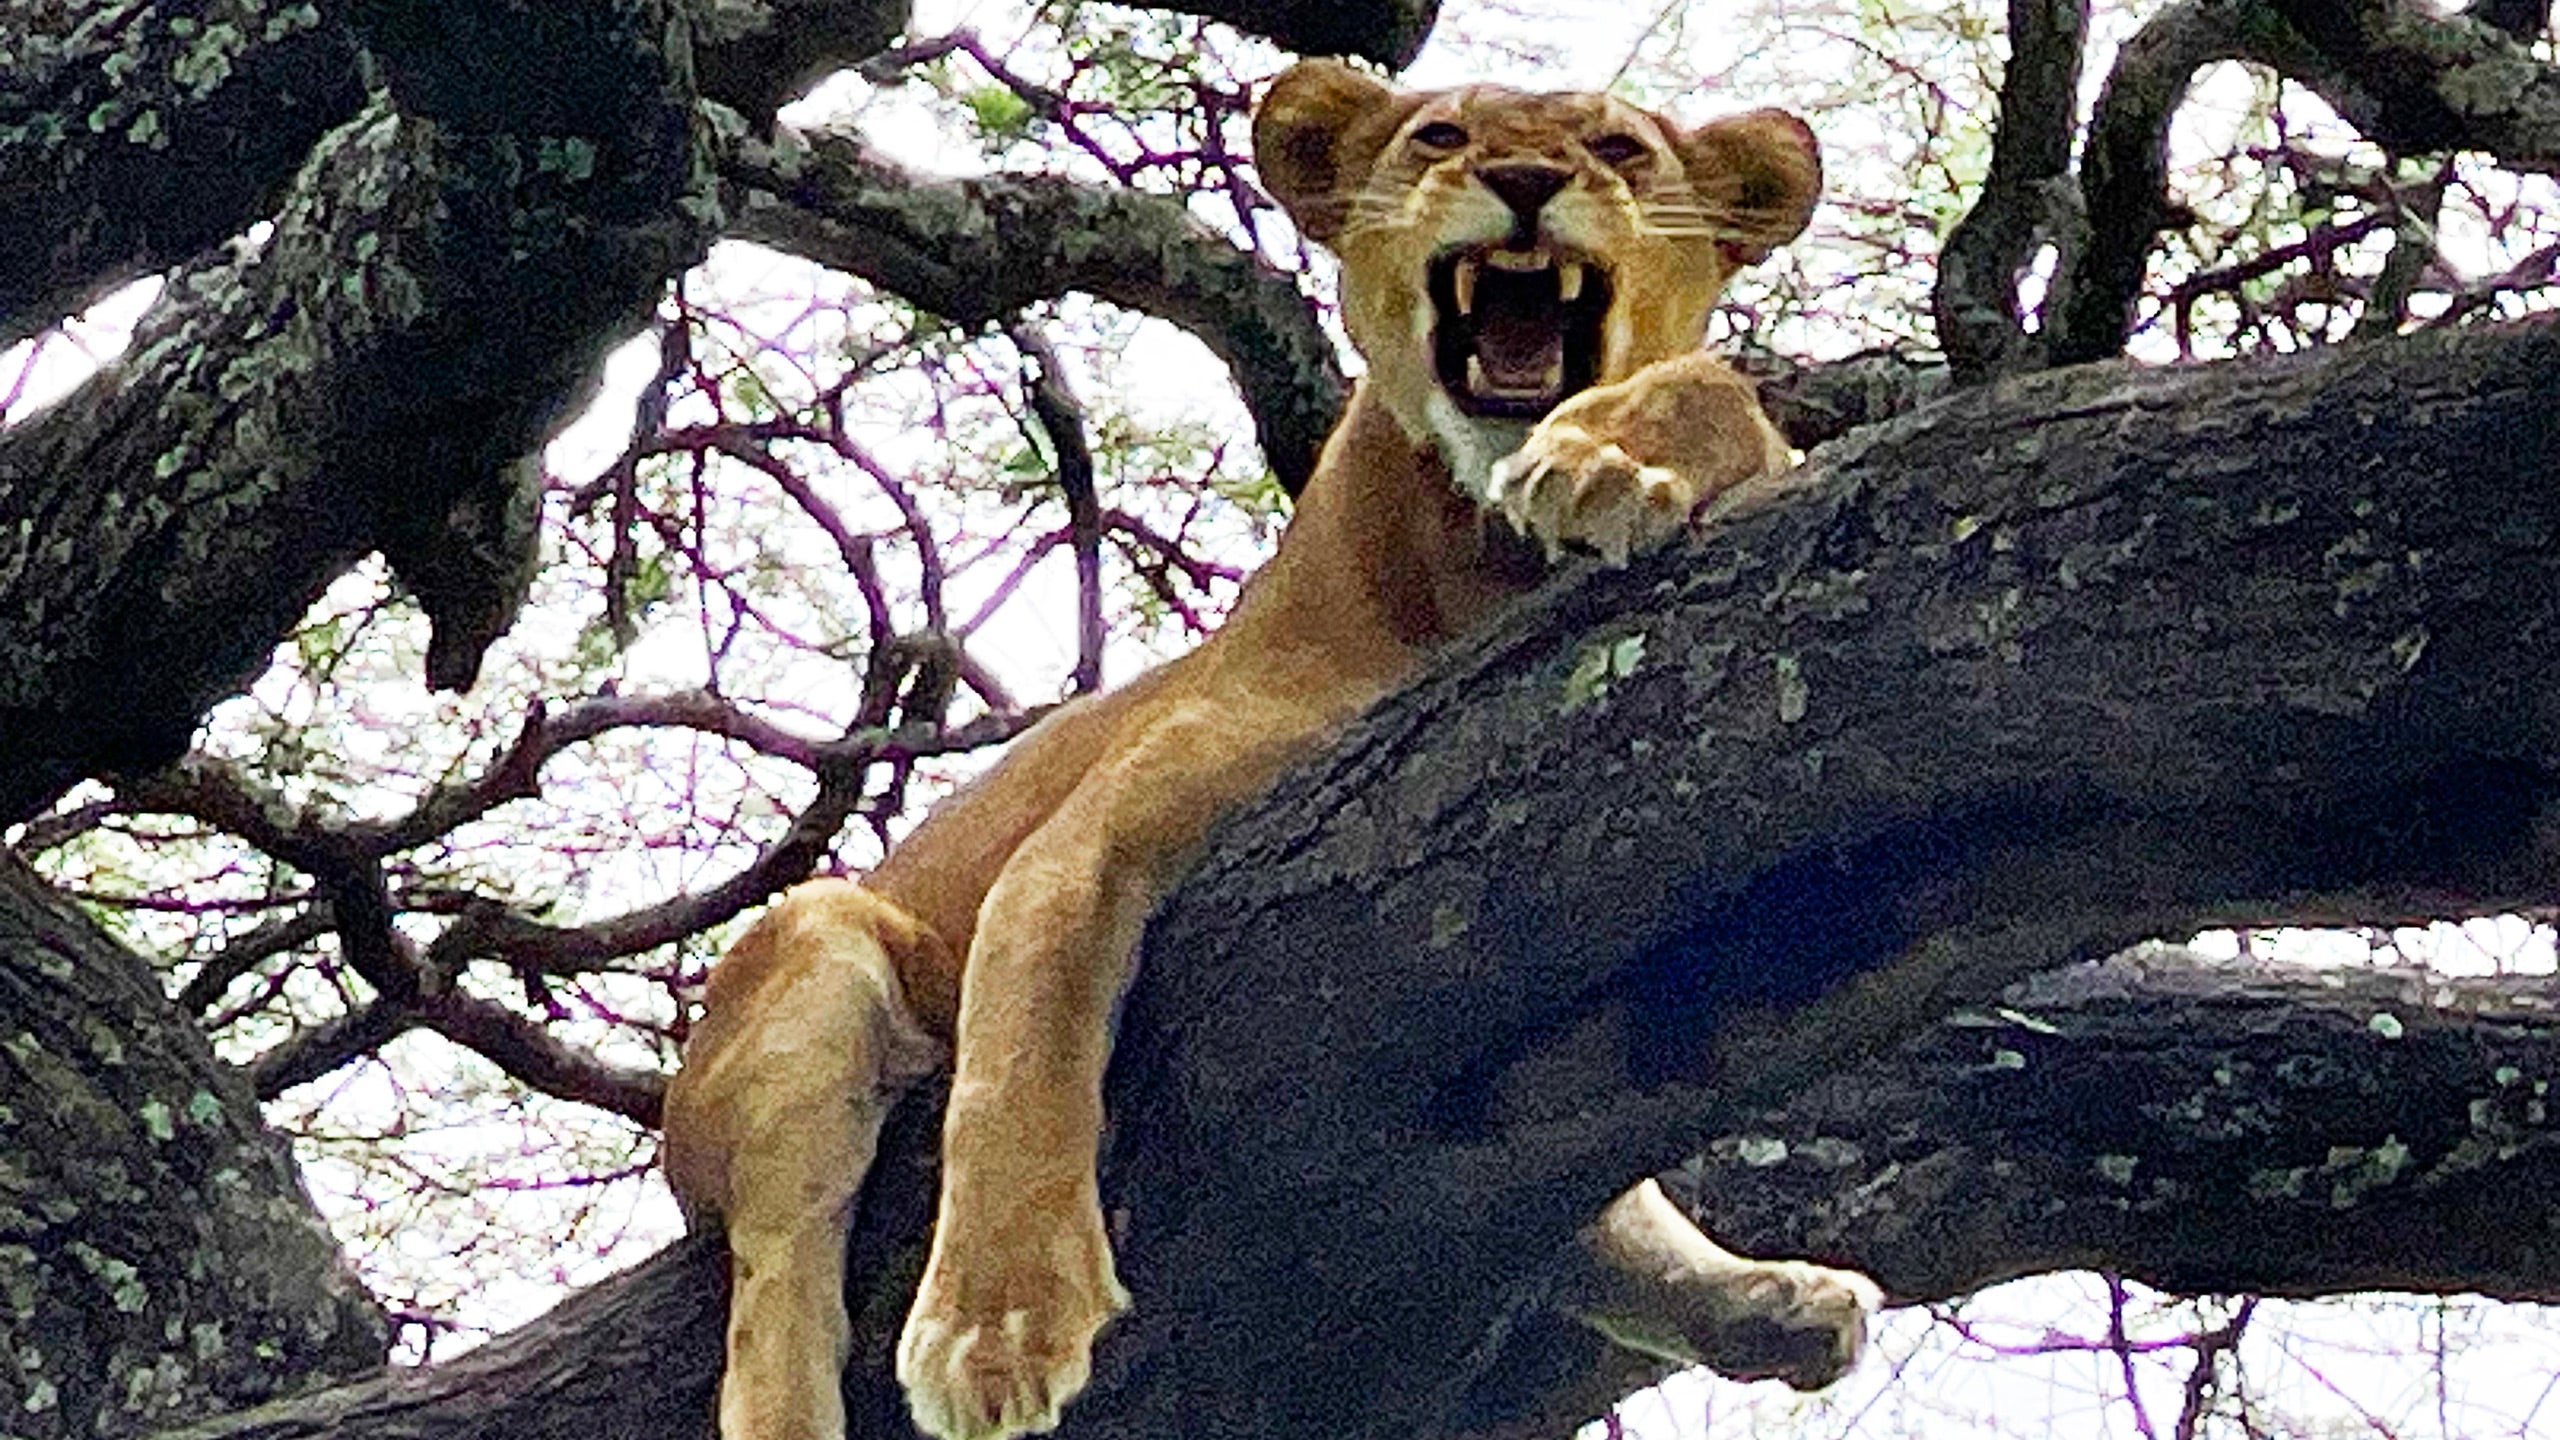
(806, 1039)
(1020, 1280)
(1019, 1285)
(1620, 468)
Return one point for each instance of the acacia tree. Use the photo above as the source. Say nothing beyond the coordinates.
(2065, 661)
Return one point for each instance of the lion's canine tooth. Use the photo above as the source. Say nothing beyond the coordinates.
(1475, 375)
(1568, 281)
(1467, 287)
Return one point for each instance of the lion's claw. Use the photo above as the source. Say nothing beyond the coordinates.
(986, 1356)
(1567, 486)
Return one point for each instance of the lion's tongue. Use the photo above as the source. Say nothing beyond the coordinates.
(1519, 337)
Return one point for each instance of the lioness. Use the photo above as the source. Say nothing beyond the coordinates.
(1529, 277)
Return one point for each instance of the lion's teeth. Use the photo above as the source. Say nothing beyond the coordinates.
(1466, 287)
(1553, 380)
(1515, 259)
(1475, 375)
(1568, 280)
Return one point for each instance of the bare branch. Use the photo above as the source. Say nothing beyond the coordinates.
(2413, 82)
(1979, 325)
(316, 1050)
(205, 988)
(2124, 167)
(1061, 419)
(540, 1060)
(495, 932)
(976, 251)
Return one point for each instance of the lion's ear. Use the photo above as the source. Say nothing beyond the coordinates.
(1756, 175)
(1314, 135)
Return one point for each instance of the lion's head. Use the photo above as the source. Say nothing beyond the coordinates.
(1502, 251)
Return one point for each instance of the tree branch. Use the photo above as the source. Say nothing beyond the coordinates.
(2201, 1125)
(1816, 404)
(533, 1056)
(186, 133)
(1976, 299)
(2058, 664)
(2417, 83)
(2412, 82)
(1061, 419)
(1390, 32)
(430, 301)
(147, 1214)
(976, 251)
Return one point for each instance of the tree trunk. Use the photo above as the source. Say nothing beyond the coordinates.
(158, 1257)
(2051, 667)
(440, 283)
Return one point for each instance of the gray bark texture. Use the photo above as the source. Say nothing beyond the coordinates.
(447, 269)
(1698, 858)
(157, 1256)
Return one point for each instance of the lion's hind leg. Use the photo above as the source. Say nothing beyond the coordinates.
(805, 1042)
(1662, 1288)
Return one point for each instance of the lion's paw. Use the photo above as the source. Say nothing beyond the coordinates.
(1566, 486)
(1001, 1337)
(1815, 1321)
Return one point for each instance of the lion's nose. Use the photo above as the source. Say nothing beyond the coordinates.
(1525, 186)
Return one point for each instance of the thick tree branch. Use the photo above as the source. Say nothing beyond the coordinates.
(2418, 83)
(135, 135)
(430, 301)
(2204, 1126)
(2055, 665)
(1390, 32)
(157, 1254)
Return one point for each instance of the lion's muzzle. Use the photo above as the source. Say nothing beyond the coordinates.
(1517, 331)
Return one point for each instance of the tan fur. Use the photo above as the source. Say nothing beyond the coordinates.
(1040, 875)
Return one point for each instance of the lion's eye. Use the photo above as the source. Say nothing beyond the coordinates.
(1616, 148)
(1440, 135)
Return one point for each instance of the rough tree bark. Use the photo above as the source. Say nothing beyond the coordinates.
(448, 261)
(445, 273)
(156, 1257)
(2043, 670)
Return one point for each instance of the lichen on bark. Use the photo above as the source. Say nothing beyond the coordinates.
(158, 1257)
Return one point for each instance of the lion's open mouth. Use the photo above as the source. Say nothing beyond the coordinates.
(1517, 331)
